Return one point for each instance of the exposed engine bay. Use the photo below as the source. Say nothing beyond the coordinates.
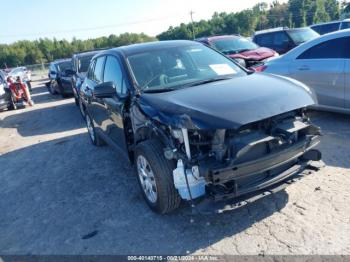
(227, 163)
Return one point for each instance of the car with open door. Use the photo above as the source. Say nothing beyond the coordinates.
(323, 64)
(198, 127)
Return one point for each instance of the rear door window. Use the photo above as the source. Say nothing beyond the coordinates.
(332, 49)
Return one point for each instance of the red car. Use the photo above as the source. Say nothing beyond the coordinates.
(245, 52)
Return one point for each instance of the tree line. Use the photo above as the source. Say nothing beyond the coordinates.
(45, 50)
(294, 13)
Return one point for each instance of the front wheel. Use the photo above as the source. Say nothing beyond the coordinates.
(52, 89)
(155, 176)
(94, 137)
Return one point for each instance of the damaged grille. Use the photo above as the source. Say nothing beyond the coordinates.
(234, 160)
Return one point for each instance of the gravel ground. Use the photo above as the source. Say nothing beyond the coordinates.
(61, 195)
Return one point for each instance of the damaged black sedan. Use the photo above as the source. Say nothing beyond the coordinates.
(197, 126)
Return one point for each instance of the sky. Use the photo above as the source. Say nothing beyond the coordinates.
(83, 19)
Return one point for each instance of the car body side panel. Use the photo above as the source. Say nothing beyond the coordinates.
(325, 76)
(114, 125)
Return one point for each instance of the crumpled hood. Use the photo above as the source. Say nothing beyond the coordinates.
(227, 104)
(258, 54)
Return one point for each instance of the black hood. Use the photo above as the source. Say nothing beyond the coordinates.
(227, 104)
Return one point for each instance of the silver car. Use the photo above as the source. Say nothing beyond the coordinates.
(322, 64)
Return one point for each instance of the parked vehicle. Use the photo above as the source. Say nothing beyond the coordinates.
(23, 73)
(243, 51)
(325, 28)
(80, 62)
(195, 124)
(60, 73)
(283, 39)
(6, 101)
(324, 65)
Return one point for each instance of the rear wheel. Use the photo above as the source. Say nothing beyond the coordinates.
(155, 176)
(95, 139)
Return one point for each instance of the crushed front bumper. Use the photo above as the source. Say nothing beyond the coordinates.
(279, 183)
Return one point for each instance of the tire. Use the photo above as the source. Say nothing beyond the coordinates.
(61, 89)
(11, 105)
(167, 197)
(52, 89)
(11, 102)
(81, 108)
(63, 94)
(94, 137)
(76, 100)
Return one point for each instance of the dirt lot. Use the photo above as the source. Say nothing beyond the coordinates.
(61, 195)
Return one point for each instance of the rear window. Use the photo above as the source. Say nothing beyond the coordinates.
(83, 63)
(64, 65)
(272, 40)
(300, 36)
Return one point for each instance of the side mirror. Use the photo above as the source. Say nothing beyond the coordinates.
(105, 90)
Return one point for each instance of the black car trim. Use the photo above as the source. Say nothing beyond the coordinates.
(269, 162)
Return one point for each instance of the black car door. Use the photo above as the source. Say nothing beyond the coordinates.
(114, 127)
(95, 105)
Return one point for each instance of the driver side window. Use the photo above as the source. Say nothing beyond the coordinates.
(113, 73)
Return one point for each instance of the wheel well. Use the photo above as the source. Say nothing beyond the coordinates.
(142, 134)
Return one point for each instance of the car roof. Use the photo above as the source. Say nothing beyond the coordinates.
(217, 37)
(330, 22)
(149, 46)
(60, 61)
(89, 52)
(271, 30)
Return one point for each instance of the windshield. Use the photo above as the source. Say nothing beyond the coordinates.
(302, 35)
(83, 63)
(179, 66)
(233, 45)
(64, 65)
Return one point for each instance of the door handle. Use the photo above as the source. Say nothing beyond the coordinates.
(304, 68)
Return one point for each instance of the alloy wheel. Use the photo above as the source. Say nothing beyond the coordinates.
(147, 179)
(90, 128)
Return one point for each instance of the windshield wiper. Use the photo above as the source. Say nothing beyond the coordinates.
(207, 81)
(155, 90)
